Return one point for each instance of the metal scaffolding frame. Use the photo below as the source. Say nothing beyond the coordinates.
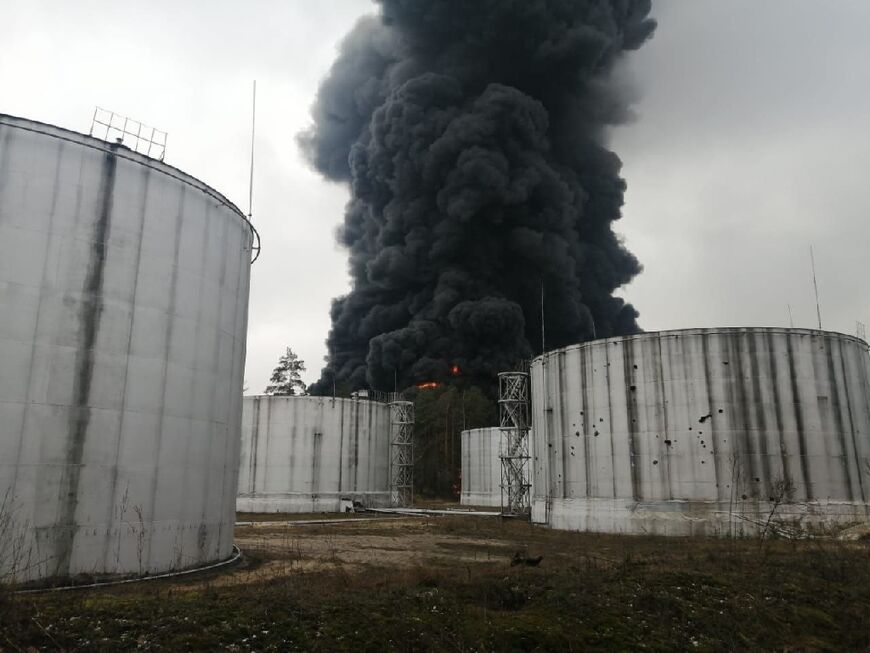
(513, 408)
(401, 454)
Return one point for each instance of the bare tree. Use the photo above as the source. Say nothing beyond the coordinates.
(782, 490)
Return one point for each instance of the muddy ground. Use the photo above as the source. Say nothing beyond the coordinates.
(449, 583)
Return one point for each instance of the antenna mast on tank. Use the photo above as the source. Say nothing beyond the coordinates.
(253, 128)
(816, 287)
(543, 339)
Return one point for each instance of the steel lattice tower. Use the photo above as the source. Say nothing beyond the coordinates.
(513, 405)
(401, 454)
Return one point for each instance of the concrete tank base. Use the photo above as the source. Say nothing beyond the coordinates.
(488, 499)
(683, 518)
(301, 503)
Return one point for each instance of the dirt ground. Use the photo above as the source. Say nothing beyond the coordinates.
(356, 544)
(381, 582)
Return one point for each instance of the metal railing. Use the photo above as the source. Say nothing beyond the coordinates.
(139, 137)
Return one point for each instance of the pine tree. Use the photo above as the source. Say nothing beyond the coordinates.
(286, 379)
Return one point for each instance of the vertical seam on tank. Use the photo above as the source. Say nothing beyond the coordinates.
(837, 411)
(799, 421)
(229, 488)
(316, 446)
(666, 354)
(5, 132)
(610, 404)
(237, 408)
(90, 313)
(341, 448)
(234, 404)
(851, 422)
(563, 385)
(760, 417)
(239, 354)
(633, 462)
(736, 354)
(77, 218)
(355, 472)
(168, 332)
(45, 264)
(235, 400)
(714, 435)
(188, 479)
(255, 446)
(687, 384)
(216, 426)
(209, 443)
(777, 402)
(113, 484)
(581, 355)
(664, 399)
(369, 429)
(864, 371)
(630, 379)
(267, 445)
(371, 476)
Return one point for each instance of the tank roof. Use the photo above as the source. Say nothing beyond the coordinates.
(676, 333)
(120, 150)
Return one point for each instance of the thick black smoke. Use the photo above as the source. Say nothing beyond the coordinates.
(471, 133)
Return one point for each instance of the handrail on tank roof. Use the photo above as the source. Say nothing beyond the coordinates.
(62, 133)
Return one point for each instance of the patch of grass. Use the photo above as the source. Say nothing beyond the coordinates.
(590, 593)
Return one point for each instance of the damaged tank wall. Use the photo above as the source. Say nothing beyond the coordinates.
(123, 313)
(481, 467)
(702, 431)
(305, 454)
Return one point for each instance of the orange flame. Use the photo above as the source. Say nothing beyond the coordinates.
(427, 385)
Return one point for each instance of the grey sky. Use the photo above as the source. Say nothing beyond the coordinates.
(751, 141)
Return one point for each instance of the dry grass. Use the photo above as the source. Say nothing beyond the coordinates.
(446, 584)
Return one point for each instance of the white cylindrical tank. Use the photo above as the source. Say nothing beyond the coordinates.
(703, 431)
(306, 454)
(123, 314)
(481, 467)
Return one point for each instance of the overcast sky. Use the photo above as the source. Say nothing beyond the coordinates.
(751, 142)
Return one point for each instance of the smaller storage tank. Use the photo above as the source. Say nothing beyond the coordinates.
(721, 431)
(306, 454)
(481, 467)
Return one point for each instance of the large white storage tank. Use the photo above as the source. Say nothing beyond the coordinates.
(481, 467)
(123, 311)
(306, 454)
(703, 431)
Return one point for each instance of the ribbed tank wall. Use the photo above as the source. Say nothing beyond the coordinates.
(481, 467)
(709, 430)
(304, 454)
(123, 313)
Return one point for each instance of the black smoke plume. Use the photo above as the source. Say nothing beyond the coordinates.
(472, 135)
